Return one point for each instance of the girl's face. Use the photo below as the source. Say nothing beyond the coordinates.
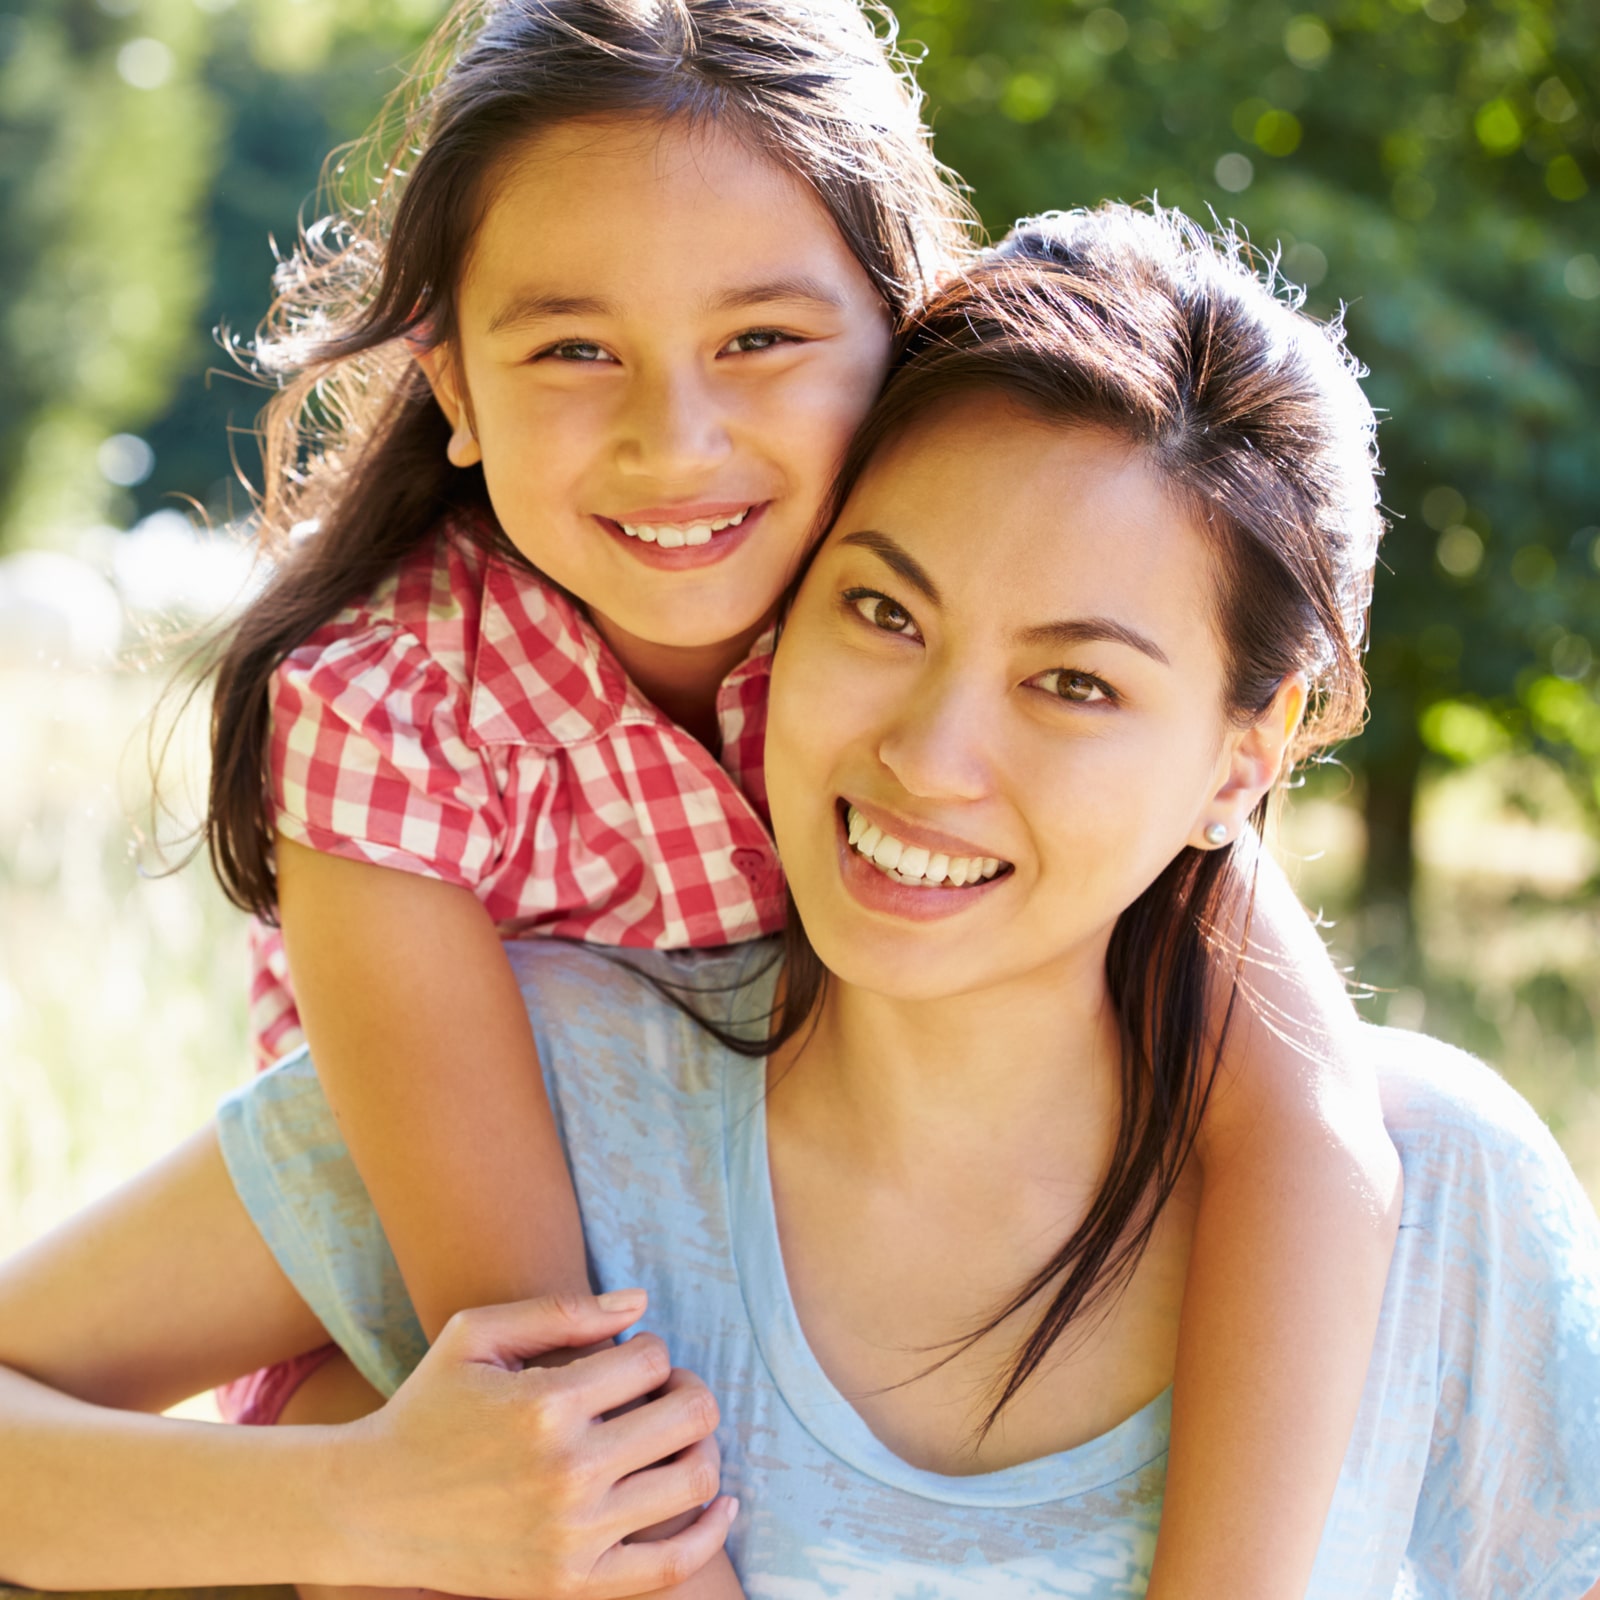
(664, 345)
(1002, 670)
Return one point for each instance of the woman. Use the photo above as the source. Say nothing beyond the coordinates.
(1106, 538)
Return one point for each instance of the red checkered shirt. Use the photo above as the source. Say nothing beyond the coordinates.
(466, 722)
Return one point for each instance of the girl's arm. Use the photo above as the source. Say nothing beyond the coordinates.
(1299, 1207)
(424, 1049)
(476, 1478)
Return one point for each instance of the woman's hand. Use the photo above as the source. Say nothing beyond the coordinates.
(481, 1477)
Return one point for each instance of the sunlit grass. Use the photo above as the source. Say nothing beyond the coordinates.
(122, 1015)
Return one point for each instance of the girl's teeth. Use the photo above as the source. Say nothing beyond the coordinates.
(672, 536)
(907, 863)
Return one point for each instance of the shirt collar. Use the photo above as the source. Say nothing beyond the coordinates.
(543, 676)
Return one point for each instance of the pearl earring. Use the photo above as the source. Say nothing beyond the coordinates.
(1216, 834)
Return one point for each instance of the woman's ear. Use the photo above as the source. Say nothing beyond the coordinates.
(1252, 758)
(440, 368)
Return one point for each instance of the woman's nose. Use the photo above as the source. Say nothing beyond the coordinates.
(674, 427)
(938, 745)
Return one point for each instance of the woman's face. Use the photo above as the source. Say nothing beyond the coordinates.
(1001, 669)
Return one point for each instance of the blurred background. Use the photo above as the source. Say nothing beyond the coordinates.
(1433, 165)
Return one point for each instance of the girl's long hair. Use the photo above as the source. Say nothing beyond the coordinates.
(355, 474)
(1140, 325)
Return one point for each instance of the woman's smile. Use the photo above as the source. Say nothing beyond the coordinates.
(908, 870)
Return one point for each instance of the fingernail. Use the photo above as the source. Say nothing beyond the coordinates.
(733, 1506)
(622, 1299)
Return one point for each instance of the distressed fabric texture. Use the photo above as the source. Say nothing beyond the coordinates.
(1474, 1470)
(466, 722)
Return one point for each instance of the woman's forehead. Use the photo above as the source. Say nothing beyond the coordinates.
(1008, 514)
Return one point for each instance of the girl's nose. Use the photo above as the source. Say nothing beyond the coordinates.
(673, 427)
(937, 745)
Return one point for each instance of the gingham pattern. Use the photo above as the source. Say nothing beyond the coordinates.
(467, 722)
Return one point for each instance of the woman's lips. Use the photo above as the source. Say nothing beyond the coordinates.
(938, 884)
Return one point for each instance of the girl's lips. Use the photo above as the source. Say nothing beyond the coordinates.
(721, 545)
(874, 890)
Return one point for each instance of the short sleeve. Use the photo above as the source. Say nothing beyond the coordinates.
(1510, 1501)
(370, 757)
(291, 1170)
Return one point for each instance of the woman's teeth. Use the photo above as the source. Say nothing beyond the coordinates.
(671, 535)
(910, 863)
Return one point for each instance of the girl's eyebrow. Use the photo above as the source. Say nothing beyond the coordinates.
(1074, 630)
(790, 287)
(531, 305)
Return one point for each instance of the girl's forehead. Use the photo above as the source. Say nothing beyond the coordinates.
(632, 198)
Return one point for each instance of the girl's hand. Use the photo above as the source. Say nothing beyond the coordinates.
(481, 1477)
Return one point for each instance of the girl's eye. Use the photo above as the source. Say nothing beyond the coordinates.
(755, 339)
(580, 351)
(882, 612)
(1080, 688)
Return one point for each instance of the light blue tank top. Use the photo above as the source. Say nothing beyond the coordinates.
(1474, 1470)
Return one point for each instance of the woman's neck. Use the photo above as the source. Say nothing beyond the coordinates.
(682, 680)
(927, 1161)
(901, 1081)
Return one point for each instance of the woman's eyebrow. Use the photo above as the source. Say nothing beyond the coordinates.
(902, 562)
(1083, 630)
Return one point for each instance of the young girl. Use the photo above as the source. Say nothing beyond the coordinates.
(566, 400)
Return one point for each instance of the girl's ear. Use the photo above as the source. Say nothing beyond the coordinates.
(439, 367)
(1251, 761)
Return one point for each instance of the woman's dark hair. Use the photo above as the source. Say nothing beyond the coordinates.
(355, 473)
(1139, 324)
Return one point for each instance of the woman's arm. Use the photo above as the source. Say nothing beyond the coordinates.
(1298, 1211)
(477, 1477)
(424, 1049)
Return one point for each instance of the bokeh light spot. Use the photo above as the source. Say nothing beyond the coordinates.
(144, 63)
(125, 460)
(1234, 172)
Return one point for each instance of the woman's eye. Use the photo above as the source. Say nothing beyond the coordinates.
(1078, 687)
(757, 339)
(581, 351)
(882, 612)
